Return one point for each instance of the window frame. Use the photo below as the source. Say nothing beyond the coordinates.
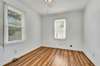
(58, 20)
(6, 25)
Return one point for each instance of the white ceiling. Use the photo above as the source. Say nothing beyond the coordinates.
(58, 6)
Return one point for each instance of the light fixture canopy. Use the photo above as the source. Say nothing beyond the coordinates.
(48, 1)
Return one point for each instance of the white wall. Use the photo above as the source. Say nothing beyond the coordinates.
(74, 30)
(92, 30)
(33, 33)
(1, 23)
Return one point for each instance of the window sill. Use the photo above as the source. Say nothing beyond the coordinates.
(16, 41)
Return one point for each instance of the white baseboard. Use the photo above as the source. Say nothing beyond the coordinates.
(89, 55)
(19, 55)
(62, 47)
(70, 48)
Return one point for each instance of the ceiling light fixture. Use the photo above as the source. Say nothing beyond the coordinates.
(49, 2)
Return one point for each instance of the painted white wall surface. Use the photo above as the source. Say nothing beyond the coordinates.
(74, 30)
(1, 23)
(92, 30)
(1, 56)
(33, 33)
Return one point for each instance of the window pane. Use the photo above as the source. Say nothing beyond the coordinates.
(14, 24)
(14, 18)
(14, 33)
(60, 29)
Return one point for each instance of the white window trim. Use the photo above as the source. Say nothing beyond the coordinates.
(57, 20)
(6, 7)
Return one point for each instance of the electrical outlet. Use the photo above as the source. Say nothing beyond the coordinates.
(71, 46)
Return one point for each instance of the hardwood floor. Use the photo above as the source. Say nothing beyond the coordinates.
(52, 57)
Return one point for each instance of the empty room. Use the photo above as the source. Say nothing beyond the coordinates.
(49, 32)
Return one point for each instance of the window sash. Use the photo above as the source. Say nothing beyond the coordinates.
(60, 33)
(7, 25)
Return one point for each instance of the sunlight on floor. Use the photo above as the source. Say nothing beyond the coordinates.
(59, 61)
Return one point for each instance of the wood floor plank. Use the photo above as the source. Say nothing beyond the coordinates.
(52, 58)
(66, 57)
(47, 61)
(45, 56)
(35, 58)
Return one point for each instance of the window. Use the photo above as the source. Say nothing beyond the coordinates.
(14, 24)
(60, 29)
